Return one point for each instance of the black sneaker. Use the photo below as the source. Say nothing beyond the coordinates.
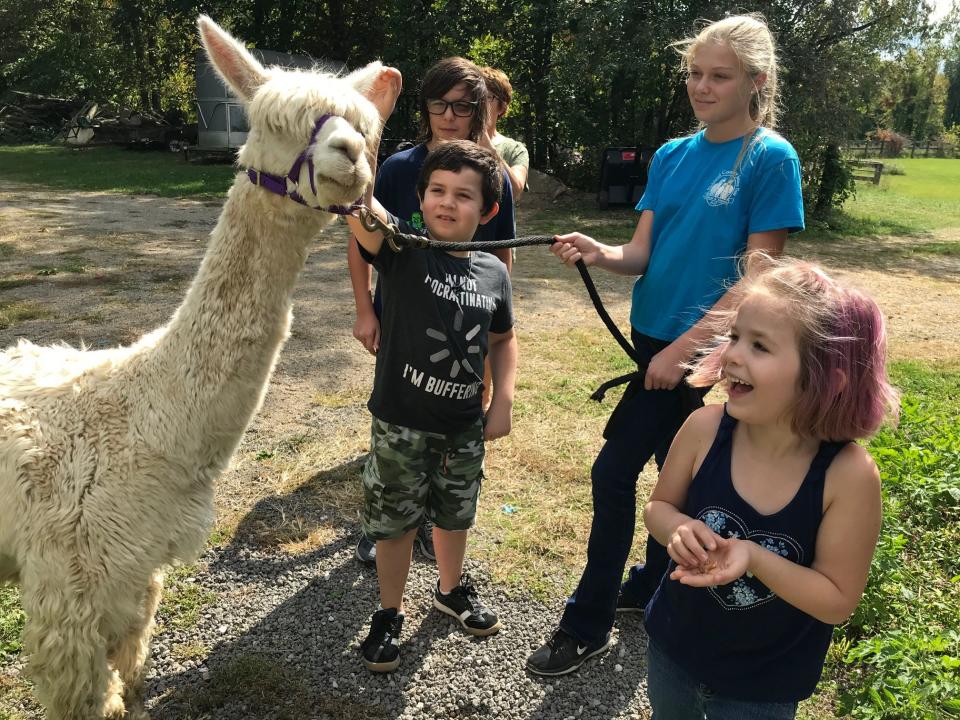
(367, 551)
(464, 604)
(562, 654)
(425, 540)
(381, 649)
(628, 604)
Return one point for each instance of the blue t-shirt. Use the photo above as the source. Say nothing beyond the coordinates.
(396, 189)
(702, 215)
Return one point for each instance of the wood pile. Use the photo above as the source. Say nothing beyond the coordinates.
(34, 117)
(29, 117)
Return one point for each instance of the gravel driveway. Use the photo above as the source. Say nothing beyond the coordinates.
(279, 635)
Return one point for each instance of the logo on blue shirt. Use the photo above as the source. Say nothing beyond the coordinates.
(723, 190)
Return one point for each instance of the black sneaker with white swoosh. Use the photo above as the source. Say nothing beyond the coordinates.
(463, 603)
(562, 654)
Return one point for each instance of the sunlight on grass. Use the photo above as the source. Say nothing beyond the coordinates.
(536, 508)
(925, 198)
(13, 312)
(112, 169)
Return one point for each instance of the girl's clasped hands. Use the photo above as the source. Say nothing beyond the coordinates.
(705, 559)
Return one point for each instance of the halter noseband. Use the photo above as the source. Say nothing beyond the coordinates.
(289, 185)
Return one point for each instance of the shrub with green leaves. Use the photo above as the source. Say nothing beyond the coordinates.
(902, 647)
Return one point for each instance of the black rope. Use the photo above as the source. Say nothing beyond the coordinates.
(420, 241)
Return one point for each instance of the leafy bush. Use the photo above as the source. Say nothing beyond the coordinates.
(901, 649)
(893, 142)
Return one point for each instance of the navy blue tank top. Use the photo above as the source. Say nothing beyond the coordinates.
(740, 640)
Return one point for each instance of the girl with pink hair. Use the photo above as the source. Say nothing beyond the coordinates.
(769, 510)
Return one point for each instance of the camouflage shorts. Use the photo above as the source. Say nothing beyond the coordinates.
(410, 473)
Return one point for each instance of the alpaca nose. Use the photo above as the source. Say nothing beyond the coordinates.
(350, 146)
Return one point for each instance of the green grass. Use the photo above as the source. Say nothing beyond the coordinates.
(899, 655)
(183, 601)
(11, 619)
(614, 226)
(111, 169)
(12, 312)
(924, 199)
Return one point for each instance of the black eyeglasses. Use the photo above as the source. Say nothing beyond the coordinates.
(461, 108)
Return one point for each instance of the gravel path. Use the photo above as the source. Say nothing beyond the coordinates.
(302, 618)
(278, 633)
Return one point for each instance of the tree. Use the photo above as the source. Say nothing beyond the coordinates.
(951, 72)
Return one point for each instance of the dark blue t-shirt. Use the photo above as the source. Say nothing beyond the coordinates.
(741, 640)
(438, 310)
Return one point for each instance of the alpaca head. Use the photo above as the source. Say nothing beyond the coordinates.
(283, 107)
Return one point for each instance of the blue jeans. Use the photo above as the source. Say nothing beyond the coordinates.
(674, 695)
(642, 426)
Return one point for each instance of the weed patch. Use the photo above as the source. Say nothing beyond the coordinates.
(12, 619)
(268, 687)
(183, 599)
(12, 312)
(899, 655)
(257, 681)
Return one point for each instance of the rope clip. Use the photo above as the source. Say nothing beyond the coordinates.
(372, 223)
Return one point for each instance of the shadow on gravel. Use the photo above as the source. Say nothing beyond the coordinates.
(283, 634)
(280, 642)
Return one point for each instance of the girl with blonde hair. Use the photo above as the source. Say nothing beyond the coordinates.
(732, 186)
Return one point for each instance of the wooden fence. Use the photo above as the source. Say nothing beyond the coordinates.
(884, 148)
(868, 170)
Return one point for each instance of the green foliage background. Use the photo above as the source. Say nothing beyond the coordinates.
(588, 73)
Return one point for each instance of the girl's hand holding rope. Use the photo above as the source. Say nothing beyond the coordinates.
(576, 246)
(665, 370)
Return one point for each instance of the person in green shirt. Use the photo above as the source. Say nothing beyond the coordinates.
(512, 153)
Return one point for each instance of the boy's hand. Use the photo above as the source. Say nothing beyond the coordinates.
(498, 420)
(366, 329)
(729, 561)
(691, 542)
(576, 246)
(385, 91)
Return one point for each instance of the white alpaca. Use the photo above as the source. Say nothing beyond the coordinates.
(108, 458)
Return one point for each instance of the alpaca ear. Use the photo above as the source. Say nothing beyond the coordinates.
(238, 68)
(364, 78)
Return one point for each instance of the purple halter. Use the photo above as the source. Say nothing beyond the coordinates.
(289, 185)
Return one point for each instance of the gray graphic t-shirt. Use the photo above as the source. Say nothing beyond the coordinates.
(437, 311)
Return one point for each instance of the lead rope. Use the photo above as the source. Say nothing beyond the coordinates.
(398, 240)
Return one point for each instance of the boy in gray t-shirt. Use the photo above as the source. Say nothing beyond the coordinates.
(443, 312)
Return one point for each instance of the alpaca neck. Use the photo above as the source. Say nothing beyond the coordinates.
(212, 362)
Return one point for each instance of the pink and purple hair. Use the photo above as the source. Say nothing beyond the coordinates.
(843, 389)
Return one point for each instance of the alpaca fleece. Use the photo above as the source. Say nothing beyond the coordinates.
(108, 457)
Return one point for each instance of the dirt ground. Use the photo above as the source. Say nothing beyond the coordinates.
(102, 269)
